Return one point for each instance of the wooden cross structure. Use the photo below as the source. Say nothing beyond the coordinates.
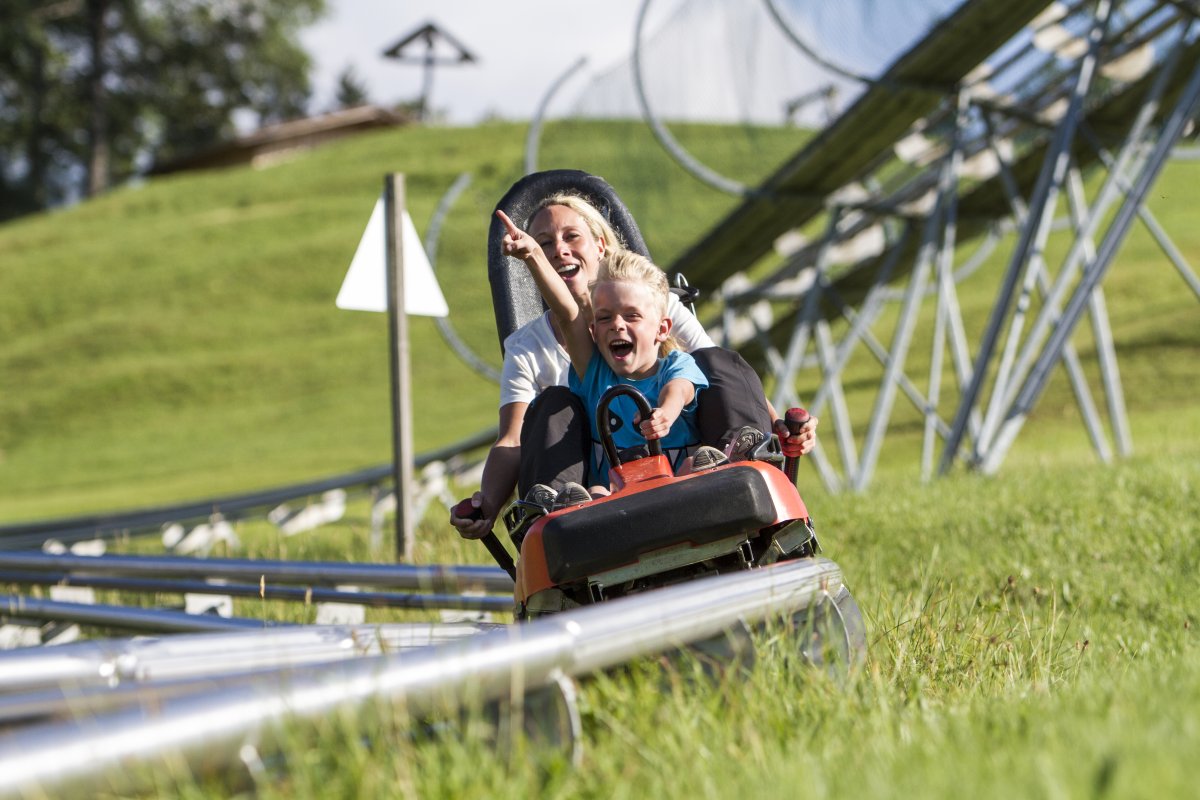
(430, 35)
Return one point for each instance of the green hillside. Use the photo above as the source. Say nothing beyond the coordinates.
(178, 339)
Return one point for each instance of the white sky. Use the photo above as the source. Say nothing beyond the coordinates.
(522, 48)
(718, 60)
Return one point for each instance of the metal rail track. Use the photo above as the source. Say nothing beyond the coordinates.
(94, 526)
(431, 578)
(238, 718)
(299, 594)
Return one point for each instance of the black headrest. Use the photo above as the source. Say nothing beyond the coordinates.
(515, 297)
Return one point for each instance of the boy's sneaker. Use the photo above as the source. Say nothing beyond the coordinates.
(743, 442)
(707, 457)
(521, 515)
(572, 494)
(541, 495)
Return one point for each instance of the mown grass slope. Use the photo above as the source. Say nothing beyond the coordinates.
(178, 339)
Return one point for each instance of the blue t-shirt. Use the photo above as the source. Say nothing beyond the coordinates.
(600, 377)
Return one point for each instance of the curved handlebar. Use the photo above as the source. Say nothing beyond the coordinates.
(602, 426)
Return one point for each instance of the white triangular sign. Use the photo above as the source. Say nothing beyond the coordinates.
(365, 286)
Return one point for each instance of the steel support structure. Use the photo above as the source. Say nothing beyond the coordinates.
(1033, 385)
(1017, 160)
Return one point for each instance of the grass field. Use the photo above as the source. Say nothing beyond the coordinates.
(1031, 634)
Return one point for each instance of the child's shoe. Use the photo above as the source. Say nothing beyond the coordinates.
(521, 515)
(743, 442)
(707, 457)
(541, 495)
(572, 494)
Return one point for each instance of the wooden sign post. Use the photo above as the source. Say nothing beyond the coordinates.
(402, 462)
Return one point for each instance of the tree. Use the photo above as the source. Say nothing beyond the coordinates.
(36, 109)
(92, 91)
(351, 90)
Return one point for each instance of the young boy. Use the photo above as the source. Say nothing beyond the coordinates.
(632, 335)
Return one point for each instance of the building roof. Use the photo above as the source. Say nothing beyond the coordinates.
(272, 143)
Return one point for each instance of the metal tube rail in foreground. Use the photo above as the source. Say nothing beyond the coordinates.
(216, 728)
(86, 678)
(109, 662)
(430, 578)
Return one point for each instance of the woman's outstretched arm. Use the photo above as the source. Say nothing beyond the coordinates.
(519, 244)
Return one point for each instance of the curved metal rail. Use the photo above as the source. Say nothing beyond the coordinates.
(664, 137)
(809, 50)
(533, 138)
(432, 237)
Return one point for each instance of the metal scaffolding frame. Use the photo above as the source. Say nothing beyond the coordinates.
(988, 162)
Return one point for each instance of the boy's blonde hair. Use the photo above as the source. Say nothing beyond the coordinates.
(596, 222)
(626, 266)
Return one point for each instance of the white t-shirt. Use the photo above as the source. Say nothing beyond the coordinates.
(535, 361)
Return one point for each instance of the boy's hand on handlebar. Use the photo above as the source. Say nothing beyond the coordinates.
(474, 524)
(516, 243)
(797, 444)
(658, 425)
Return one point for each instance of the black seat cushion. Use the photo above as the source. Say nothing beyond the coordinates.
(616, 532)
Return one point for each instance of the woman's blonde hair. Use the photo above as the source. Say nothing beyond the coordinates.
(626, 266)
(596, 222)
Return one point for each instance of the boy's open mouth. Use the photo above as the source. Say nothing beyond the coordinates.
(620, 348)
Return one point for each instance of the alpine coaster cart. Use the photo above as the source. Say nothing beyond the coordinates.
(655, 529)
